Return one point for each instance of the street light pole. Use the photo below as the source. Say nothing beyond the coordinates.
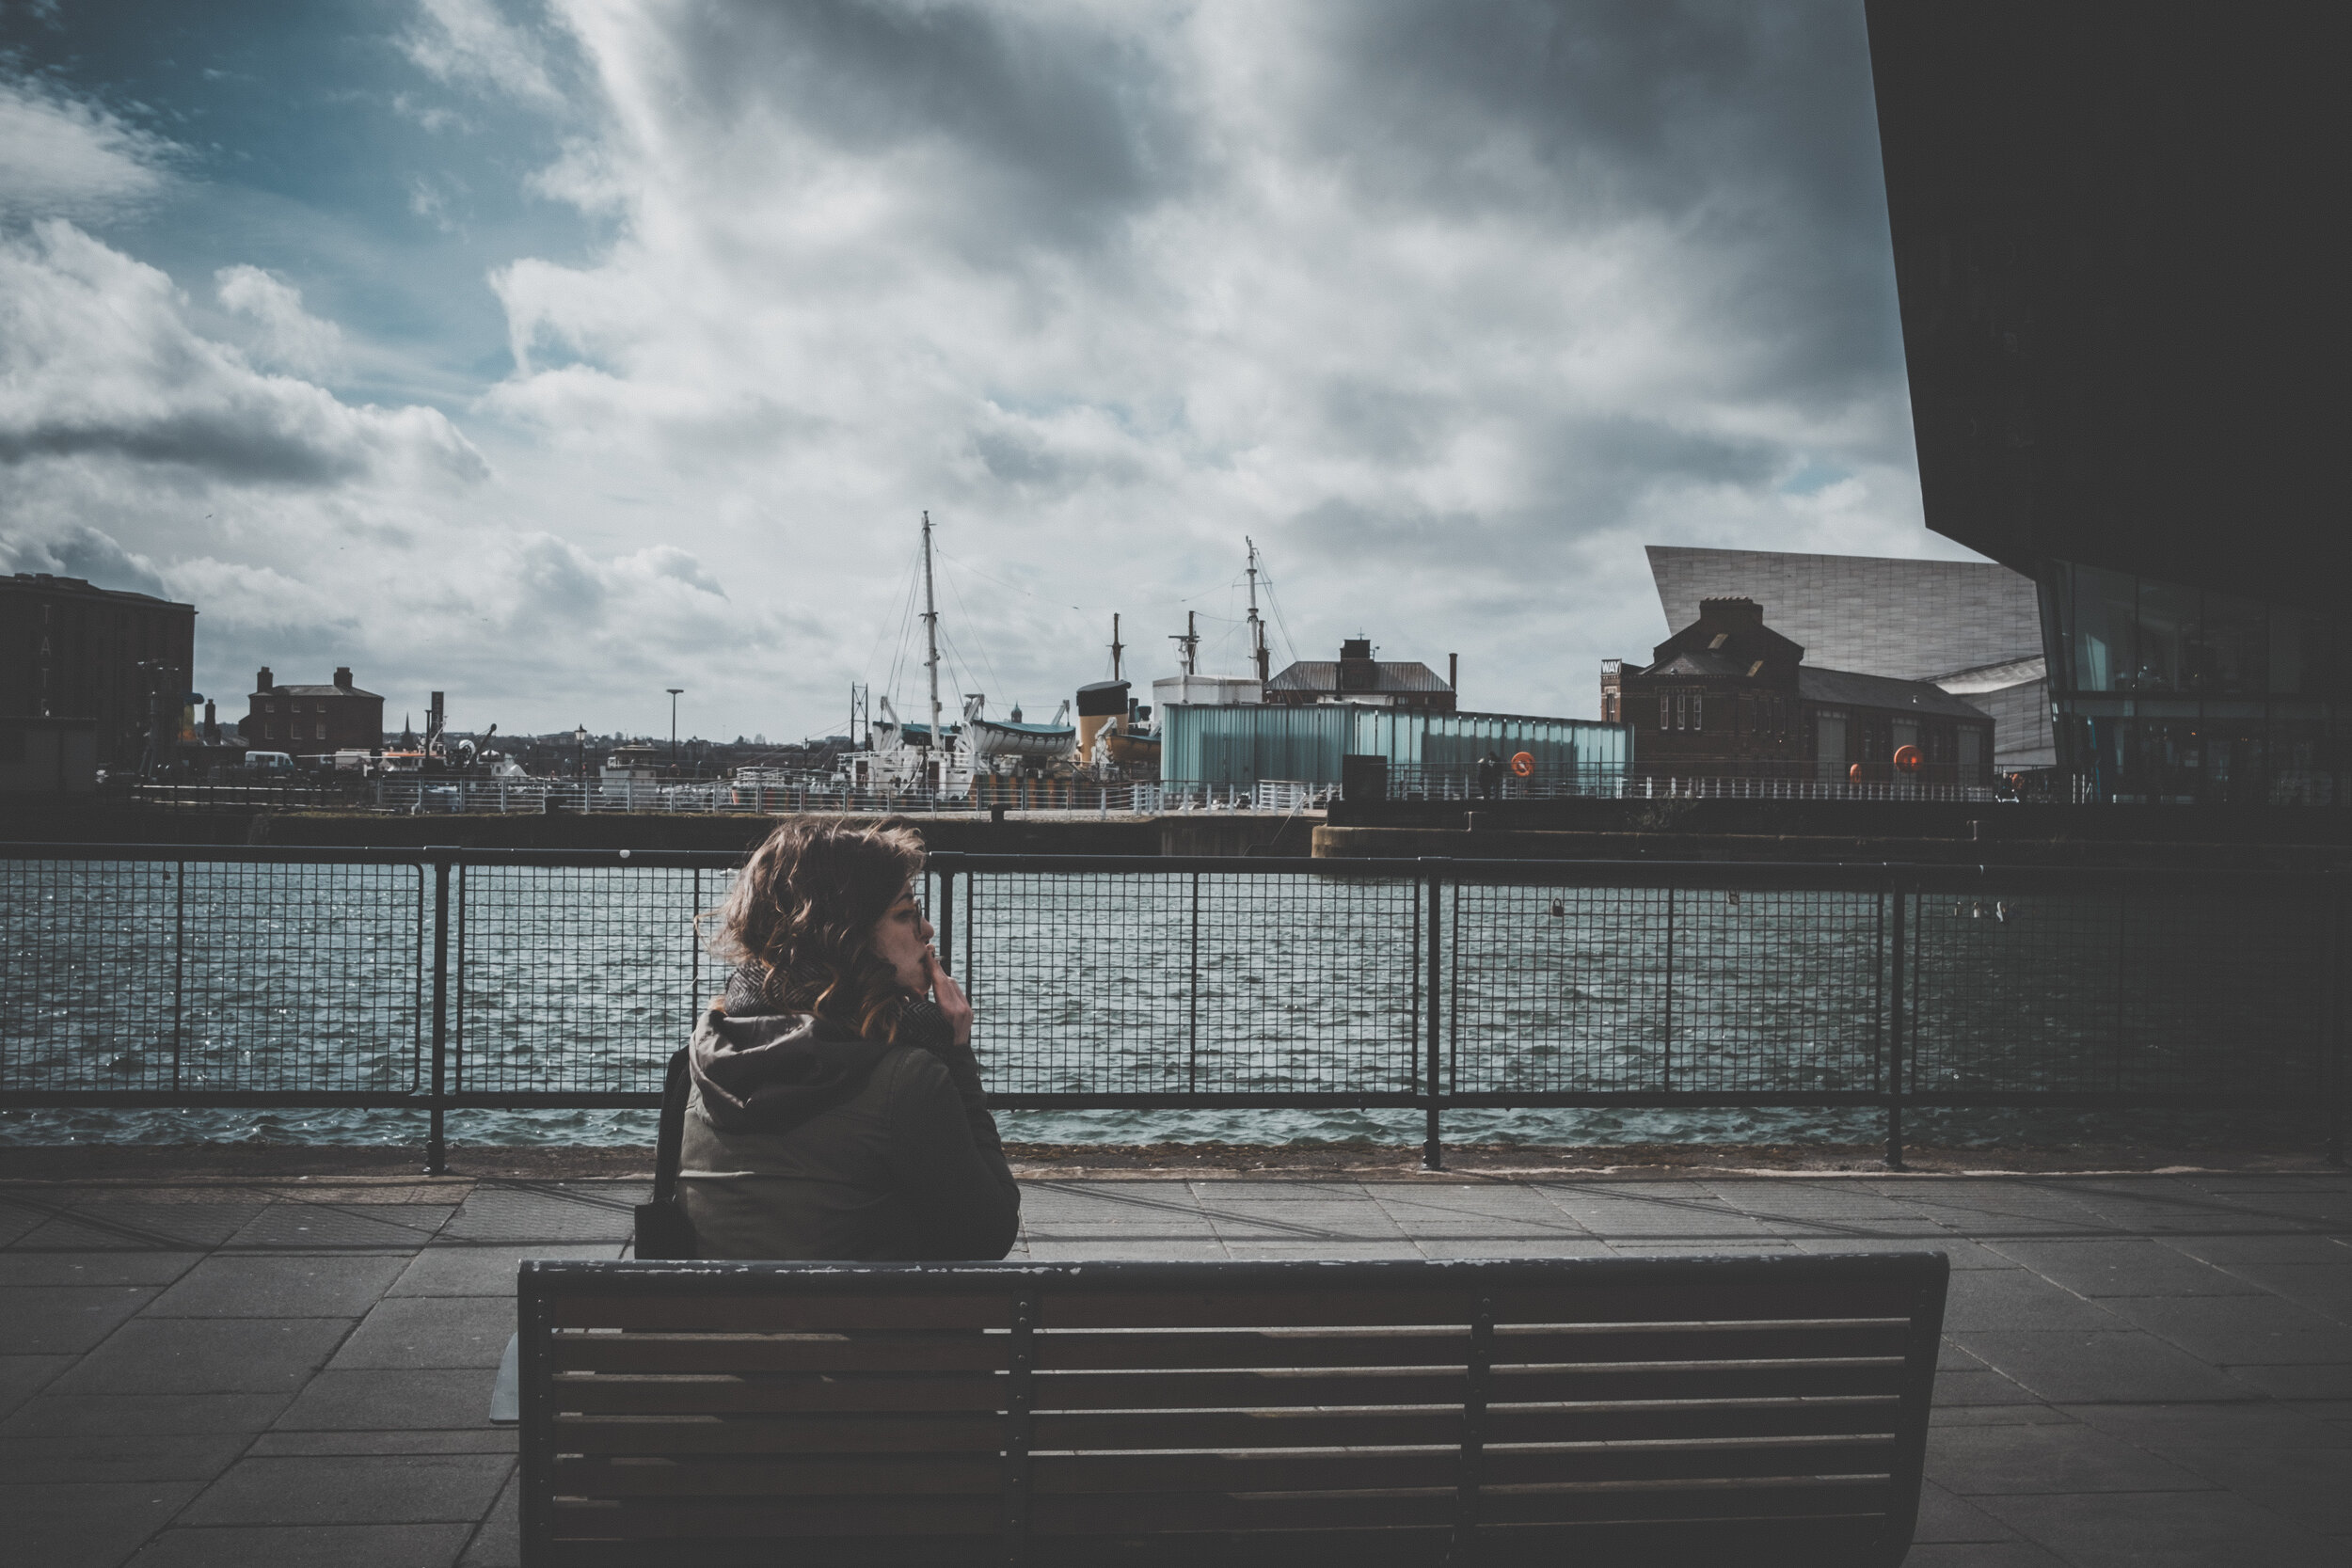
(673, 691)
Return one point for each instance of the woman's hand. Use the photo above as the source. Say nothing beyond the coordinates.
(951, 997)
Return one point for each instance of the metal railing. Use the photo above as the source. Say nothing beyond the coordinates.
(442, 979)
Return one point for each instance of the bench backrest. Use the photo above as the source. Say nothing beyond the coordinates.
(1745, 1409)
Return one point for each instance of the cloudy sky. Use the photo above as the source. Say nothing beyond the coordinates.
(555, 352)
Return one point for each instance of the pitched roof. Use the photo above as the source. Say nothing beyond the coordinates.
(316, 691)
(1323, 674)
(1859, 691)
(1701, 661)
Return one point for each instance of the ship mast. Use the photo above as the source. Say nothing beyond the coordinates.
(1256, 627)
(1188, 641)
(930, 640)
(1117, 647)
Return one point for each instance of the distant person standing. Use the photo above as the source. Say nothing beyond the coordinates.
(1489, 775)
(836, 1108)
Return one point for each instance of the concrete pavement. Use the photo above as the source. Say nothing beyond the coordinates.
(2146, 1369)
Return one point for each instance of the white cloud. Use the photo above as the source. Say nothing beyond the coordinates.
(469, 42)
(98, 362)
(286, 335)
(65, 156)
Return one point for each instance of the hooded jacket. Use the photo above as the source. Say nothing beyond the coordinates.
(803, 1139)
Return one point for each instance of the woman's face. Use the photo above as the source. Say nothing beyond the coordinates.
(903, 937)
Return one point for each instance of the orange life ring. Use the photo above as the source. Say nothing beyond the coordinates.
(1854, 774)
(1907, 759)
(1523, 764)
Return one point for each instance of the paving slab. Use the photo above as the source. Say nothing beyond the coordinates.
(397, 1400)
(307, 1547)
(1981, 1553)
(2126, 1268)
(2239, 1331)
(499, 1544)
(128, 1226)
(2161, 1428)
(477, 1439)
(391, 1489)
(2325, 1288)
(247, 1286)
(2163, 1529)
(66, 1320)
(120, 1455)
(544, 1213)
(94, 1268)
(394, 1228)
(86, 1525)
(207, 1356)
(1982, 1299)
(73, 1414)
(2070, 1367)
(2064, 1457)
(468, 1270)
(431, 1331)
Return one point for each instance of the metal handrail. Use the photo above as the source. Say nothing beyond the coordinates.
(1897, 891)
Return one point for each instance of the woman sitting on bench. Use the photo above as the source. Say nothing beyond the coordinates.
(836, 1108)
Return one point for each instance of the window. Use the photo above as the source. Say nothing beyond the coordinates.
(1665, 711)
(321, 729)
(1698, 710)
(269, 732)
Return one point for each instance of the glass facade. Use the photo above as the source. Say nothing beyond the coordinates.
(2163, 693)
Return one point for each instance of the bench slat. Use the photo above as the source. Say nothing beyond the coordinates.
(1083, 1350)
(699, 1352)
(1613, 1303)
(1746, 1498)
(820, 1476)
(846, 1434)
(834, 1312)
(655, 1394)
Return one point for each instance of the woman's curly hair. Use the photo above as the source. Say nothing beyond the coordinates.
(800, 917)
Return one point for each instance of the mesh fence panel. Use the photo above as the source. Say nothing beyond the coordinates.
(577, 980)
(212, 976)
(1592, 991)
(2207, 992)
(1208, 983)
(278, 976)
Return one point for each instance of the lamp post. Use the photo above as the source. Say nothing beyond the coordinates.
(580, 739)
(673, 691)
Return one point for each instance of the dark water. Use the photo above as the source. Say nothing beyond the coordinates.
(155, 976)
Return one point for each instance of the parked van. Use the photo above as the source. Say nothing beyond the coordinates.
(269, 762)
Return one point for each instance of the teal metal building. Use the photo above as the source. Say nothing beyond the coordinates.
(1236, 747)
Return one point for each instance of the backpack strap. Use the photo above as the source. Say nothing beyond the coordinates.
(670, 1141)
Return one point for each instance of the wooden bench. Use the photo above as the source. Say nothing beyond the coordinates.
(1730, 1410)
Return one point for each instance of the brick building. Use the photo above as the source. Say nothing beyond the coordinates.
(311, 720)
(1355, 676)
(122, 660)
(1728, 697)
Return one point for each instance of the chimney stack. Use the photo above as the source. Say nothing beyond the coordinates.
(342, 675)
(1731, 612)
(263, 681)
(1453, 673)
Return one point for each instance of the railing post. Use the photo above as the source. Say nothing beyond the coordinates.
(1433, 1137)
(1894, 1026)
(437, 1145)
(2334, 1075)
(179, 966)
(1192, 997)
